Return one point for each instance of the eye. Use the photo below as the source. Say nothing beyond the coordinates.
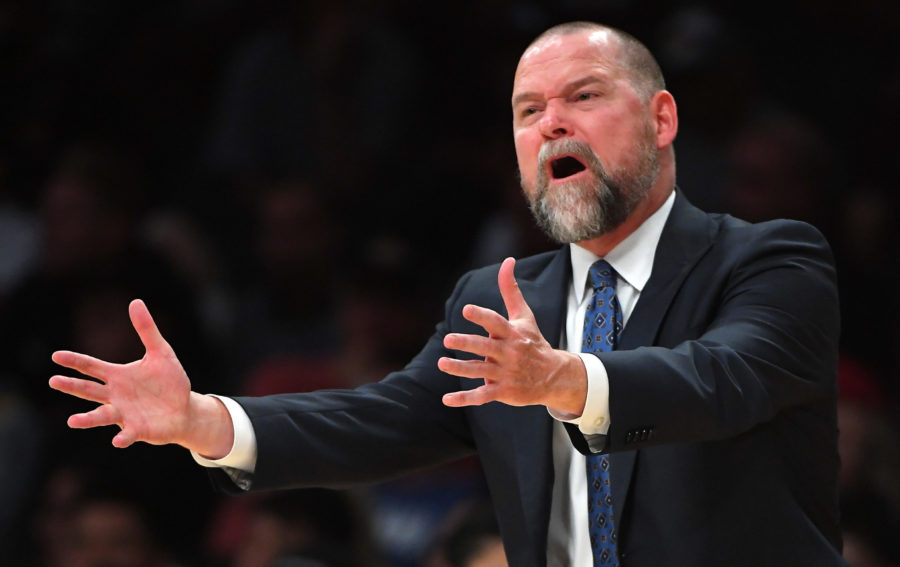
(585, 96)
(529, 111)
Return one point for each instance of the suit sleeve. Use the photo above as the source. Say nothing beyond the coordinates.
(770, 346)
(340, 438)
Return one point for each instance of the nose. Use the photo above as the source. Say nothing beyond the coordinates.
(554, 122)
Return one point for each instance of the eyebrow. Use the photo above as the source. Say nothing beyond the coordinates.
(569, 87)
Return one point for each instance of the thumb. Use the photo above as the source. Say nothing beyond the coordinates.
(516, 307)
(145, 327)
(123, 439)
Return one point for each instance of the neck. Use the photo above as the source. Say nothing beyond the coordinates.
(660, 191)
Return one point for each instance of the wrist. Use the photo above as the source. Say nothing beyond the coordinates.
(569, 385)
(209, 429)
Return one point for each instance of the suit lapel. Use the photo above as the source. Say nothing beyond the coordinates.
(685, 238)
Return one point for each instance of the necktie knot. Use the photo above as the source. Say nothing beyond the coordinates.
(601, 275)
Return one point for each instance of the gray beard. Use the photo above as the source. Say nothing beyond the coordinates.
(583, 209)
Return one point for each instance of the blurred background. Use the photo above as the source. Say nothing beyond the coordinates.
(294, 188)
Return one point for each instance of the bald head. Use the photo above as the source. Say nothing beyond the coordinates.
(632, 56)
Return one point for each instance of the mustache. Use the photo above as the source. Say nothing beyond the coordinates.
(579, 149)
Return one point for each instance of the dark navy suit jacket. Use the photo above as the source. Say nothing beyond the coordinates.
(723, 433)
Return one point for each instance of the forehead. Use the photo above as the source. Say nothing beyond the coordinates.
(561, 57)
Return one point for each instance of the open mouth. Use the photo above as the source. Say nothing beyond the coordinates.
(566, 166)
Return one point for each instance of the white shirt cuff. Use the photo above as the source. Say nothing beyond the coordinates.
(243, 451)
(594, 420)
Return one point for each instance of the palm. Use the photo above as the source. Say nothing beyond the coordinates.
(148, 398)
(151, 396)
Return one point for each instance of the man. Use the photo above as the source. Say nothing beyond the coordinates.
(715, 402)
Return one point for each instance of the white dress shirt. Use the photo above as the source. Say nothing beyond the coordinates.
(568, 543)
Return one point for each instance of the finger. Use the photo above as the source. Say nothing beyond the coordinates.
(475, 344)
(516, 307)
(476, 397)
(103, 415)
(87, 365)
(124, 439)
(494, 323)
(145, 327)
(80, 388)
(464, 368)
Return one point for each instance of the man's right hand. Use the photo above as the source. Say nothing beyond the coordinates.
(149, 399)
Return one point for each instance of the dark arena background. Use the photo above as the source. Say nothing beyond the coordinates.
(278, 181)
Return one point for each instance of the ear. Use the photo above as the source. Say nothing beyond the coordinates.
(665, 115)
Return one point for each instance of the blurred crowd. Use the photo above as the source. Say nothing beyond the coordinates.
(294, 187)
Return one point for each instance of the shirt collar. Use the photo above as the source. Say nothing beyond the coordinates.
(632, 258)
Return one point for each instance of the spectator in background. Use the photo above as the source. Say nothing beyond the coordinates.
(870, 456)
(868, 251)
(110, 531)
(92, 263)
(470, 538)
(312, 527)
(327, 85)
(783, 167)
(870, 468)
(50, 521)
(319, 87)
(178, 237)
(870, 529)
(85, 520)
(89, 210)
(716, 79)
(286, 300)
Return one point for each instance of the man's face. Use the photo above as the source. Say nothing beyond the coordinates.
(584, 139)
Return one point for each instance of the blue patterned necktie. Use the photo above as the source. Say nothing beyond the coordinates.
(602, 325)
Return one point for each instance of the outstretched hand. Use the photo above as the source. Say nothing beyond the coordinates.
(149, 399)
(519, 367)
